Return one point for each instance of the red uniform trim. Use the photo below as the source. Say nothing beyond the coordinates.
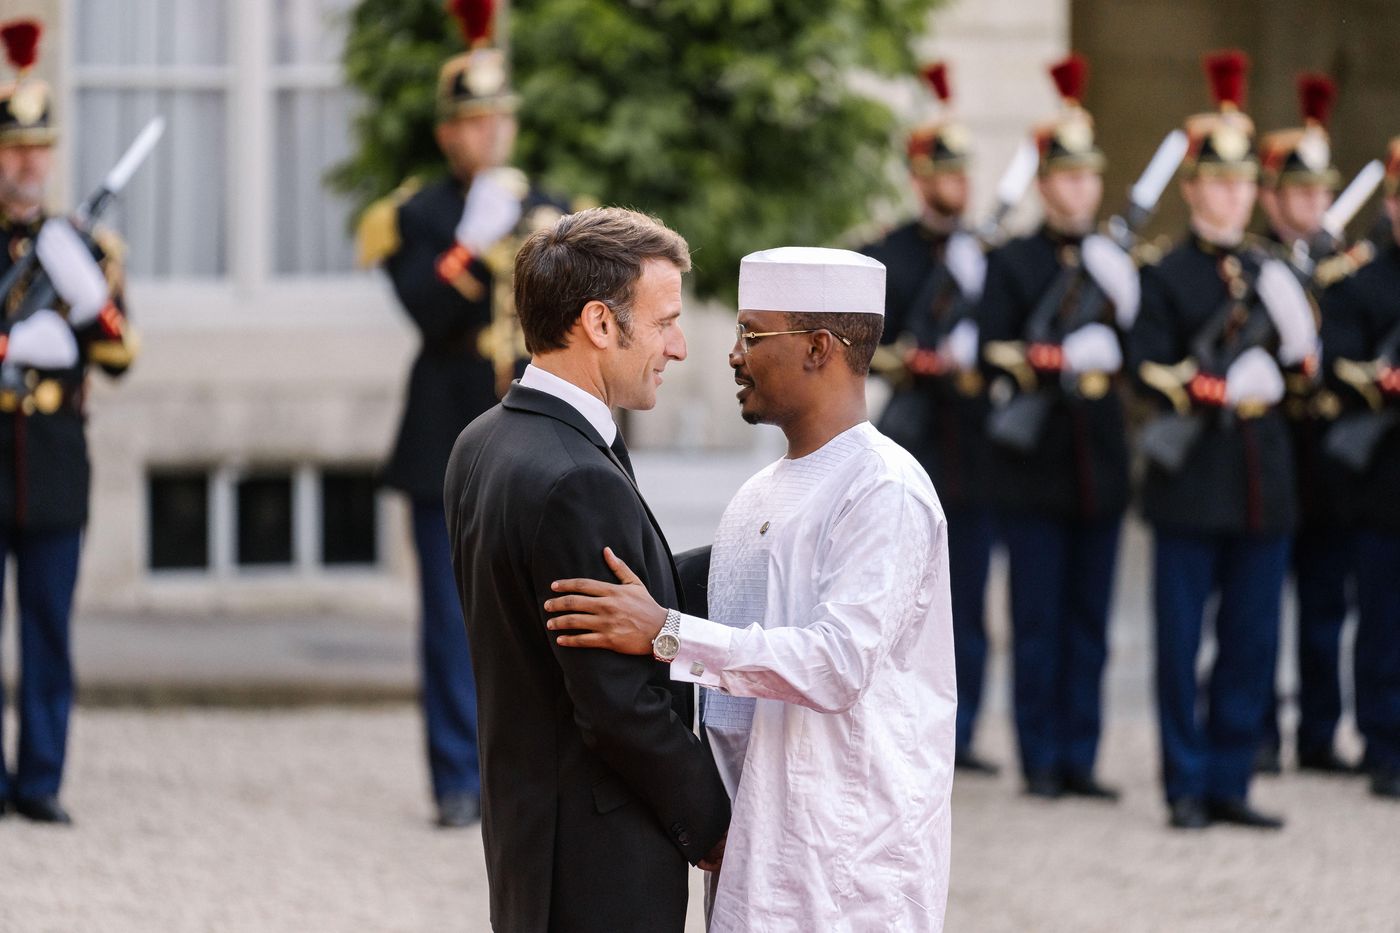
(453, 262)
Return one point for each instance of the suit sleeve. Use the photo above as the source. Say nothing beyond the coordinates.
(623, 711)
(440, 309)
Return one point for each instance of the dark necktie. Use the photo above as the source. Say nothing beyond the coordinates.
(620, 450)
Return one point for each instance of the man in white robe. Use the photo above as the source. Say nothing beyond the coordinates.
(828, 656)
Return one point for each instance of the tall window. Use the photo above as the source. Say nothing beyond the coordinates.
(256, 112)
(313, 113)
(134, 60)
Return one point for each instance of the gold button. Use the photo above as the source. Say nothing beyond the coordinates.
(764, 529)
(1093, 386)
(48, 396)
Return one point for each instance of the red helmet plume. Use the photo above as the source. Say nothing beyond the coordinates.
(21, 40)
(935, 75)
(1071, 76)
(475, 16)
(1226, 70)
(1316, 95)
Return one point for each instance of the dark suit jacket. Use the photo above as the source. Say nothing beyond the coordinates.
(596, 791)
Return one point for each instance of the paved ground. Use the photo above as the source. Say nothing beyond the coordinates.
(314, 820)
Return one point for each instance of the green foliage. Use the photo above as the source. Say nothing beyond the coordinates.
(732, 120)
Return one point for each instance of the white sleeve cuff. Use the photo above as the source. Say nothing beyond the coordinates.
(704, 651)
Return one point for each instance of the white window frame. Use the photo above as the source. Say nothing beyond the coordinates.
(249, 291)
(307, 558)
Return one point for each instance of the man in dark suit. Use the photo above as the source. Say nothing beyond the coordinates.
(596, 791)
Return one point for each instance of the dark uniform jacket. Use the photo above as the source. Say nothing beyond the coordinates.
(44, 470)
(596, 791)
(1239, 477)
(452, 381)
(1358, 314)
(940, 420)
(1079, 469)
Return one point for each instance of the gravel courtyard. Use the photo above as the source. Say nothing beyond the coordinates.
(315, 820)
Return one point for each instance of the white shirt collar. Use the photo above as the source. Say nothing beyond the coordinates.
(586, 403)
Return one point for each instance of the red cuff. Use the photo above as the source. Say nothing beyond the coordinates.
(1389, 380)
(453, 262)
(924, 362)
(1207, 390)
(110, 318)
(4, 345)
(1046, 357)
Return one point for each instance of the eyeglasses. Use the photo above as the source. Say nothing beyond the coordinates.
(747, 337)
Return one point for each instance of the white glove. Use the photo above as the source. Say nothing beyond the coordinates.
(1288, 307)
(75, 274)
(1092, 348)
(1115, 272)
(960, 345)
(1255, 378)
(966, 263)
(492, 209)
(42, 341)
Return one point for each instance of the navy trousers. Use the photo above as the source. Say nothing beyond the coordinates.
(1323, 563)
(970, 538)
(1378, 647)
(46, 570)
(1209, 732)
(449, 688)
(1061, 587)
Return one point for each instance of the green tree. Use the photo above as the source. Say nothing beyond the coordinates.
(732, 120)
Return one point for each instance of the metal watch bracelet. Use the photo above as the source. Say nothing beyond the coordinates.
(667, 643)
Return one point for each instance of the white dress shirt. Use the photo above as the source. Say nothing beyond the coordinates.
(829, 592)
(586, 403)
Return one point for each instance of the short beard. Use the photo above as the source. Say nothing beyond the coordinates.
(24, 193)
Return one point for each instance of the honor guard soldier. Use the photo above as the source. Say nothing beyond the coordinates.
(1297, 184)
(448, 247)
(1361, 360)
(1051, 316)
(1222, 322)
(935, 270)
(61, 314)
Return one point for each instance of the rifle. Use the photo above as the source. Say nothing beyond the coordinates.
(1336, 218)
(40, 293)
(1168, 439)
(1010, 190)
(1020, 421)
(889, 361)
(1353, 440)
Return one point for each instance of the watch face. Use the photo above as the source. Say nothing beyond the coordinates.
(666, 647)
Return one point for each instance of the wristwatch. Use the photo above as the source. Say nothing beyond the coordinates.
(667, 643)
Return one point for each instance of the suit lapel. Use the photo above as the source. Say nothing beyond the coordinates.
(522, 398)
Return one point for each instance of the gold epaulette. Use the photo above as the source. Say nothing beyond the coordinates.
(377, 234)
(115, 354)
(1345, 264)
(1150, 252)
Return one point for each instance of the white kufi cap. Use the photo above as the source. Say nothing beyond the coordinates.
(811, 279)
